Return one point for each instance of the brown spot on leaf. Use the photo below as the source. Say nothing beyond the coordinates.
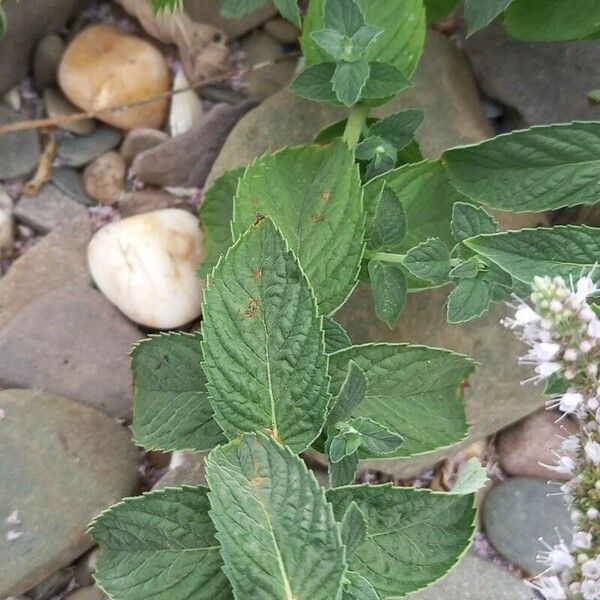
(318, 218)
(259, 218)
(325, 197)
(255, 202)
(257, 274)
(256, 482)
(253, 308)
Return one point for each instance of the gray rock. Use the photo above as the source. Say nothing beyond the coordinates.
(27, 24)
(191, 472)
(210, 13)
(81, 150)
(49, 209)
(85, 567)
(20, 150)
(46, 59)
(56, 584)
(57, 260)
(70, 182)
(532, 441)
(544, 83)
(475, 578)
(520, 511)
(74, 343)
(187, 159)
(140, 139)
(443, 87)
(90, 592)
(62, 464)
(58, 106)
(260, 47)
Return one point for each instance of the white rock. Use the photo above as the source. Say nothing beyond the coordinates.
(146, 265)
(186, 108)
(7, 234)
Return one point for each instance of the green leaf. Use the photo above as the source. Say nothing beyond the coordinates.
(216, 212)
(427, 197)
(234, 9)
(556, 385)
(349, 79)
(430, 260)
(3, 22)
(438, 9)
(373, 146)
(469, 221)
(414, 536)
(552, 20)
(289, 10)
(354, 528)
(351, 394)
(313, 195)
(171, 405)
(468, 300)
(412, 390)
(363, 39)
(532, 170)
(566, 251)
(377, 440)
(314, 83)
(264, 355)
(399, 128)
(388, 285)
(163, 5)
(466, 270)
(382, 163)
(358, 588)
(343, 472)
(480, 13)
(278, 537)
(334, 43)
(343, 16)
(471, 478)
(344, 444)
(593, 95)
(336, 337)
(400, 44)
(384, 82)
(160, 546)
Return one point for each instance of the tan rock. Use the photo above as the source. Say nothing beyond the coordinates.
(140, 139)
(144, 201)
(105, 67)
(282, 30)
(146, 265)
(532, 441)
(104, 179)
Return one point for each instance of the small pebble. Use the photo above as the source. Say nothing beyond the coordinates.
(104, 179)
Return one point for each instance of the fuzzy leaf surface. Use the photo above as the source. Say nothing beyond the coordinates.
(336, 337)
(471, 478)
(400, 44)
(469, 299)
(386, 224)
(160, 546)
(412, 390)
(354, 528)
(278, 536)
(171, 405)
(264, 355)
(349, 79)
(358, 588)
(480, 13)
(566, 250)
(469, 221)
(532, 170)
(414, 536)
(388, 285)
(430, 260)
(351, 394)
(313, 195)
(343, 472)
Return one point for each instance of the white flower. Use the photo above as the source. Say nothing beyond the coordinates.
(591, 568)
(582, 539)
(570, 444)
(586, 314)
(590, 590)
(570, 402)
(550, 588)
(592, 452)
(570, 355)
(545, 369)
(585, 287)
(565, 465)
(558, 558)
(593, 329)
(593, 514)
(525, 315)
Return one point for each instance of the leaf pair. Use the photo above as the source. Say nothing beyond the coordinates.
(273, 534)
(234, 9)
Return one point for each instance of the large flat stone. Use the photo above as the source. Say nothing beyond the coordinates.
(57, 260)
(62, 463)
(20, 150)
(74, 343)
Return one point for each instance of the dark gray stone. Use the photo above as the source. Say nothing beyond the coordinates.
(29, 22)
(520, 511)
(48, 210)
(83, 149)
(62, 464)
(475, 578)
(90, 592)
(544, 83)
(55, 585)
(20, 150)
(72, 342)
(46, 59)
(70, 182)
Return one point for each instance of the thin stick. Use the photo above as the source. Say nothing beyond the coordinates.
(59, 120)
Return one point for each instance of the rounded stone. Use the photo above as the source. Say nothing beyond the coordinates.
(89, 592)
(104, 179)
(520, 511)
(46, 59)
(146, 265)
(138, 140)
(62, 464)
(105, 67)
(58, 106)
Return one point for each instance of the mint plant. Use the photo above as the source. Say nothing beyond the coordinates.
(271, 374)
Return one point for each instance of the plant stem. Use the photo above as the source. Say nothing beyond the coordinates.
(356, 120)
(398, 258)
